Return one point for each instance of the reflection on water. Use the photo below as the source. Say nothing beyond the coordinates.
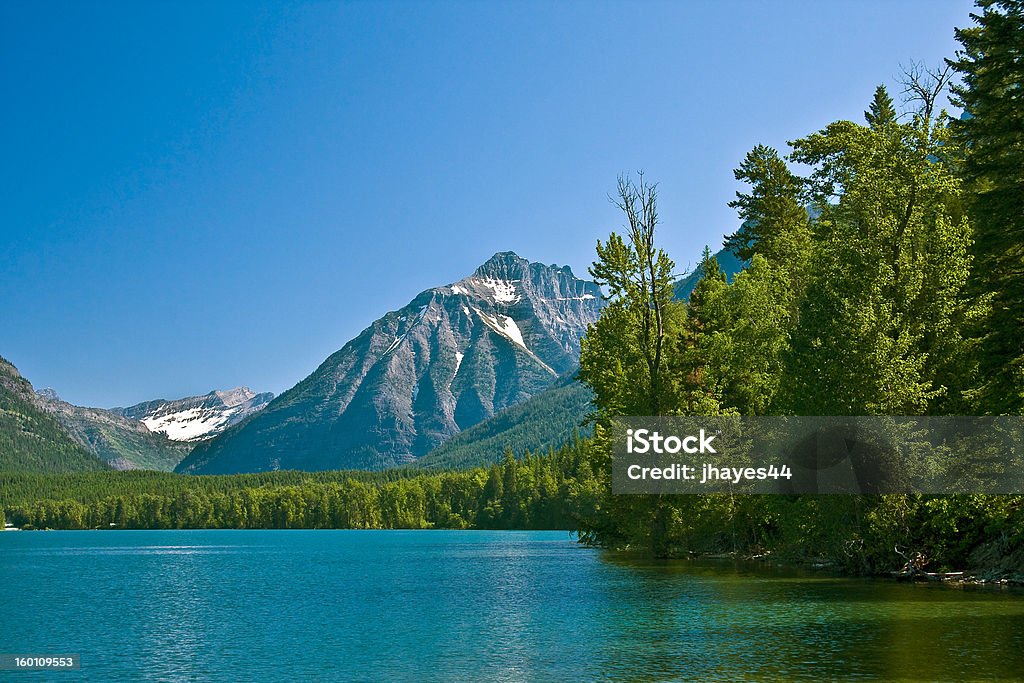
(497, 606)
(720, 621)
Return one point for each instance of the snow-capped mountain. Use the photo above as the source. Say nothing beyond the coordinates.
(452, 357)
(196, 418)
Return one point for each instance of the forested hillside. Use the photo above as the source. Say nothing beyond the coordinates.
(549, 419)
(31, 440)
(536, 492)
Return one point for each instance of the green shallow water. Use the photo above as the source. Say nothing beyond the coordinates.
(468, 606)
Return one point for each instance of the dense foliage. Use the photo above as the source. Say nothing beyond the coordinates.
(869, 292)
(535, 492)
(992, 130)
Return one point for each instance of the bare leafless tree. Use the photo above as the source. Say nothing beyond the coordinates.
(922, 86)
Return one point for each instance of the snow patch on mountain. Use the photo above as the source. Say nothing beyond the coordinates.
(504, 325)
(503, 291)
(507, 327)
(574, 298)
(197, 418)
(188, 425)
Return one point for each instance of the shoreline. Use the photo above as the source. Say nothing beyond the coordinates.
(990, 578)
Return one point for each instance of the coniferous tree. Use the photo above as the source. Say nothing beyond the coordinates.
(992, 132)
(696, 390)
(755, 315)
(881, 112)
(774, 222)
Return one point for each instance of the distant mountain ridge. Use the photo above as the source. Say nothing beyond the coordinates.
(195, 418)
(728, 262)
(451, 358)
(547, 420)
(121, 442)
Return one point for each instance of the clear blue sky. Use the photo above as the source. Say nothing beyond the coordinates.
(204, 195)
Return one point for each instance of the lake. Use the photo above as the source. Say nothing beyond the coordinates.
(471, 605)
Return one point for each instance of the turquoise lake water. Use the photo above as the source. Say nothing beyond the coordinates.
(470, 606)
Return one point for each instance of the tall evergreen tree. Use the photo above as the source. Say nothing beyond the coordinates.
(625, 359)
(991, 63)
(774, 221)
(880, 113)
(696, 390)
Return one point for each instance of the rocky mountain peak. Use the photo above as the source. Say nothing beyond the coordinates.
(234, 397)
(510, 278)
(452, 357)
(504, 265)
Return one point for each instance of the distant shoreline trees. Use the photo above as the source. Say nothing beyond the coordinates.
(534, 492)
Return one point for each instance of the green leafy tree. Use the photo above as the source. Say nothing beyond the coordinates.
(879, 329)
(626, 361)
(744, 335)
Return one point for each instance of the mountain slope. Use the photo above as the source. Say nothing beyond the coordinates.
(196, 418)
(121, 442)
(727, 261)
(32, 440)
(548, 419)
(451, 358)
